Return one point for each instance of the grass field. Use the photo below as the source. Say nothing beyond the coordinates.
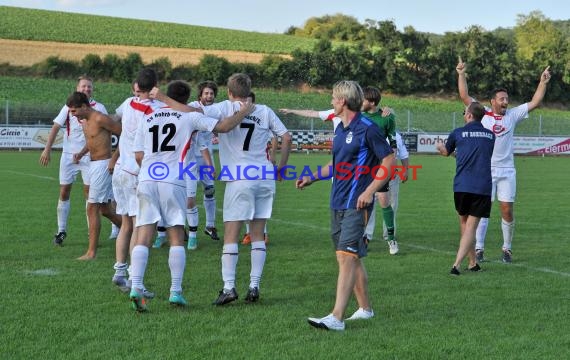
(55, 307)
(42, 25)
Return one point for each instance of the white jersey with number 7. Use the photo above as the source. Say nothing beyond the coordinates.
(246, 144)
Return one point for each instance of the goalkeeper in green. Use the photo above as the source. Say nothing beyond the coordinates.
(386, 121)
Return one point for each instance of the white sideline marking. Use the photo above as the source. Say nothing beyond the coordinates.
(545, 270)
(426, 248)
(301, 225)
(31, 175)
(51, 272)
(421, 247)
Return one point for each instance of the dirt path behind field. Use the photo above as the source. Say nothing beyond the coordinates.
(27, 53)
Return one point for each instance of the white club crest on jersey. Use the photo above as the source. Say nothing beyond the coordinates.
(349, 138)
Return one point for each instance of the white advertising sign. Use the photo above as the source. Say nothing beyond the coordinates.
(27, 137)
(32, 137)
(527, 145)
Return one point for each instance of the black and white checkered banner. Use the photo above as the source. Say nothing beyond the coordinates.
(302, 137)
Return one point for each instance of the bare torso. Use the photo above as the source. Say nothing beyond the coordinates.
(98, 138)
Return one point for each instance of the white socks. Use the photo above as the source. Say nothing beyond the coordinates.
(192, 218)
(481, 233)
(210, 207)
(121, 268)
(229, 264)
(62, 215)
(508, 231)
(258, 255)
(139, 259)
(177, 263)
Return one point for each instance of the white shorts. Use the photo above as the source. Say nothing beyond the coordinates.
(160, 200)
(100, 189)
(68, 170)
(125, 192)
(248, 200)
(394, 190)
(504, 184)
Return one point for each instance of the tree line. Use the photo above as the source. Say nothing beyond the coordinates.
(373, 53)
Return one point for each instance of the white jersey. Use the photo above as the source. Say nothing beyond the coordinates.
(243, 153)
(203, 139)
(132, 113)
(503, 126)
(121, 109)
(402, 152)
(328, 115)
(73, 138)
(164, 136)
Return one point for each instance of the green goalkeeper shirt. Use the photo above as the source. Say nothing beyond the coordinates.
(387, 124)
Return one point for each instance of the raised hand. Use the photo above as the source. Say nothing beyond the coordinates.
(545, 76)
(460, 66)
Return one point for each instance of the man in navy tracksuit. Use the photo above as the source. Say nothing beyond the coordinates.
(362, 163)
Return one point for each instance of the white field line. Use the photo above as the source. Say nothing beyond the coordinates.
(30, 175)
(322, 228)
(545, 270)
(430, 249)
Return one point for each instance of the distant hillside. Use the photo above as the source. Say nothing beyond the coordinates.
(42, 25)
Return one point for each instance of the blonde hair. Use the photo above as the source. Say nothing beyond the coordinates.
(239, 85)
(84, 77)
(351, 92)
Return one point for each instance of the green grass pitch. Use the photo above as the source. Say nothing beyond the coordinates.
(55, 307)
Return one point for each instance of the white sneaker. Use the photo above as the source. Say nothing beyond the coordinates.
(114, 232)
(393, 247)
(329, 322)
(361, 314)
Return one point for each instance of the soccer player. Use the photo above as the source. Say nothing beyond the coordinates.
(201, 174)
(249, 199)
(370, 109)
(502, 121)
(273, 145)
(160, 145)
(392, 195)
(97, 128)
(250, 182)
(125, 177)
(473, 146)
(73, 143)
(358, 142)
(202, 154)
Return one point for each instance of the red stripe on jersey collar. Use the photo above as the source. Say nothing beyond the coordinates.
(141, 107)
(497, 117)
